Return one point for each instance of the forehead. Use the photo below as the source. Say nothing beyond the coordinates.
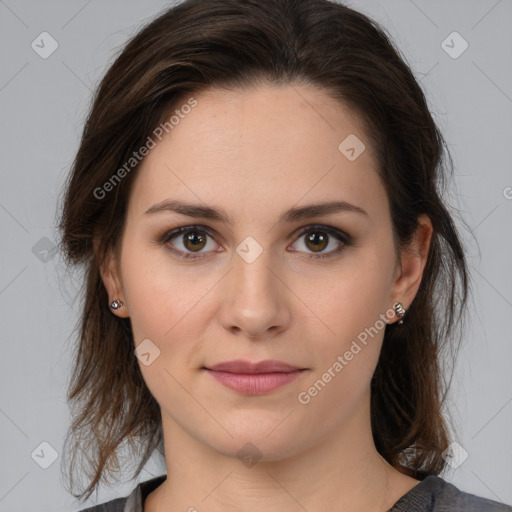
(269, 144)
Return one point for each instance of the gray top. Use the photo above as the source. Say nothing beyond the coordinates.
(432, 494)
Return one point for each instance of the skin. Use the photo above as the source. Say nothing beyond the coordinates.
(255, 153)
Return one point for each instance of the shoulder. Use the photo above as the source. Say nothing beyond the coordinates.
(117, 505)
(450, 498)
(134, 502)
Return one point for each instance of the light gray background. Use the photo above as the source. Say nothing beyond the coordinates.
(43, 104)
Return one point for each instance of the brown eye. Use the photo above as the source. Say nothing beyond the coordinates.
(317, 241)
(192, 240)
(318, 238)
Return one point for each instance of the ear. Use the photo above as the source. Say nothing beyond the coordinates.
(111, 277)
(413, 261)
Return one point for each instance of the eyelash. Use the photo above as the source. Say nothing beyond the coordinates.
(345, 239)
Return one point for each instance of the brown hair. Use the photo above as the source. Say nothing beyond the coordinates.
(234, 43)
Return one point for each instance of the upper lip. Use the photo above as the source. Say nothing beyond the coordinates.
(240, 366)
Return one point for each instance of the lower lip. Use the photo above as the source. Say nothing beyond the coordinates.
(254, 384)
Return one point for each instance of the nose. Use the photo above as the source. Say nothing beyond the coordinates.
(256, 299)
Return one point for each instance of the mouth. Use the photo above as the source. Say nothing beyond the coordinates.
(254, 378)
(250, 368)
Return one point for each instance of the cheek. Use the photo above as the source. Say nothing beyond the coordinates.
(352, 312)
(349, 299)
(350, 306)
(160, 293)
(165, 308)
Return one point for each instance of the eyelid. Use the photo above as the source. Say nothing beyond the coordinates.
(169, 233)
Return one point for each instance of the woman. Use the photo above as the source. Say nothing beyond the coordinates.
(271, 276)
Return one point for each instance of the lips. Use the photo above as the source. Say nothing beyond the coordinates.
(250, 378)
(249, 368)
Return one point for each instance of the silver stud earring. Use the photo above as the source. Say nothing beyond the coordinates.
(116, 304)
(400, 312)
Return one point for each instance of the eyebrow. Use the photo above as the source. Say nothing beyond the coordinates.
(293, 215)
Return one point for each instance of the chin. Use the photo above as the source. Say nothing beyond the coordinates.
(264, 443)
(250, 449)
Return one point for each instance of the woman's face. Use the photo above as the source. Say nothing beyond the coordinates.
(274, 281)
